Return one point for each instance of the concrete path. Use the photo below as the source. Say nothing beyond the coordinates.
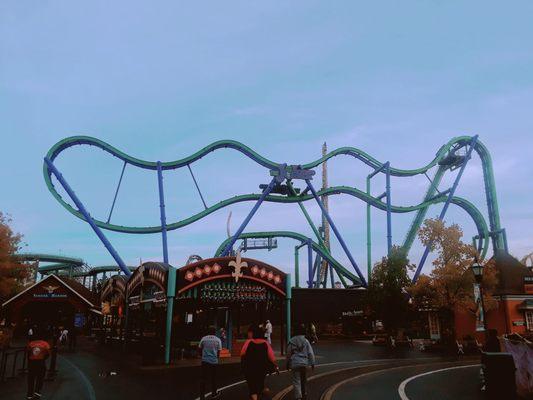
(355, 367)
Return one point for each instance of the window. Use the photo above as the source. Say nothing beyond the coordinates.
(529, 320)
(434, 326)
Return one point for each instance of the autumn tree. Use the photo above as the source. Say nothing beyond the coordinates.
(449, 286)
(13, 274)
(387, 296)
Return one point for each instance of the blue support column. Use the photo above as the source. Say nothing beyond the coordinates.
(86, 215)
(235, 237)
(162, 211)
(336, 231)
(447, 204)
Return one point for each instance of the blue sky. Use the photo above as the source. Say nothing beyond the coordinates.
(160, 80)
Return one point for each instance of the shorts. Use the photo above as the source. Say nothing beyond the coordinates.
(256, 383)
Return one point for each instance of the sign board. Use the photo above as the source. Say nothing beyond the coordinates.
(235, 269)
(49, 296)
(233, 292)
(79, 320)
(519, 323)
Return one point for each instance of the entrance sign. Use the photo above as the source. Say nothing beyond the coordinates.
(235, 269)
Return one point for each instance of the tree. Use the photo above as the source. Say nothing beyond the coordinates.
(13, 274)
(387, 294)
(449, 286)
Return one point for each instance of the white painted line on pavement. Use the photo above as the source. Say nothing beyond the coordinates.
(320, 365)
(86, 382)
(401, 388)
(329, 393)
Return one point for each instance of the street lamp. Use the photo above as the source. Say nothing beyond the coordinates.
(477, 270)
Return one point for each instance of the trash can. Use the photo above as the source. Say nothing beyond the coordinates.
(499, 371)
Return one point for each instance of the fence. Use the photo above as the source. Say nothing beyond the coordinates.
(12, 363)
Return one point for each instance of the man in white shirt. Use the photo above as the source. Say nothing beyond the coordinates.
(268, 331)
(210, 346)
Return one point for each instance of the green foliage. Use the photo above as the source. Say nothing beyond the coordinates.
(387, 296)
(13, 275)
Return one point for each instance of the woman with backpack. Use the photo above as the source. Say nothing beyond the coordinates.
(257, 360)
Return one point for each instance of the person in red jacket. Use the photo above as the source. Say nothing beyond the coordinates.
(38, 350)
(257, 360)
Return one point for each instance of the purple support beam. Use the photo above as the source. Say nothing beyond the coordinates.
(235, 237)
(87, 216)
(116, 192)
(337, 233)
(446, 204)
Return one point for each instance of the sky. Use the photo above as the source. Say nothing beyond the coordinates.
(160, 80)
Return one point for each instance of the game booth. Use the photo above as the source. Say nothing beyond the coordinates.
(229, 293)
(113, 303)
(52, 302)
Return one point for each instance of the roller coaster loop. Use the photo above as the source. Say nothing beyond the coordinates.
(279, 190)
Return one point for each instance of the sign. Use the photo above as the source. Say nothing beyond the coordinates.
(50, 293)
(480, 317)
(233, 292)
(353, 313)
(236, 269)
(134, 300)
(79, 320)
(49, 296)
(519, 323)
(528, 279)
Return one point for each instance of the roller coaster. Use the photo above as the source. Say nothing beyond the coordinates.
(454, 155)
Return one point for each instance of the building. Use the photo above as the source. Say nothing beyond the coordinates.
(514, 296)
(53, 301)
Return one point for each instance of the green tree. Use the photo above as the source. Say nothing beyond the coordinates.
(13, 274)
(387, 295)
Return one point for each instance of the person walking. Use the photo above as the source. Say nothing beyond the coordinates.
(63, 337)
(38, 350)
(257, 360)
(210, 346)
(268, 331)
(312, 333)
(300, 355)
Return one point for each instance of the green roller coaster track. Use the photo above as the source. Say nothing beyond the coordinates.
(432, 196)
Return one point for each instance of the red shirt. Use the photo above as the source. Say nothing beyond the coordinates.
(38, 350)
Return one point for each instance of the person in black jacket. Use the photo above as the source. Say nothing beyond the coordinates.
(257, 360)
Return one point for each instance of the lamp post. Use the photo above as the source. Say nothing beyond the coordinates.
(477, 270)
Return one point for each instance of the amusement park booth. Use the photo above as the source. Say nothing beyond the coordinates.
(146, 296)
(229, 293)
(53, 301)
(113, 302)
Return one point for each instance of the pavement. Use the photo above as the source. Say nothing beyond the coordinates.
(344, 369)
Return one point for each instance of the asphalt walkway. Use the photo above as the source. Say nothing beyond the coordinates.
(97, 372)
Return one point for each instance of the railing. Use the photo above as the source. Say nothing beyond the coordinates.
(12, 363)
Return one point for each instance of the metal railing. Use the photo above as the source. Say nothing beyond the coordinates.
(12, 363)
